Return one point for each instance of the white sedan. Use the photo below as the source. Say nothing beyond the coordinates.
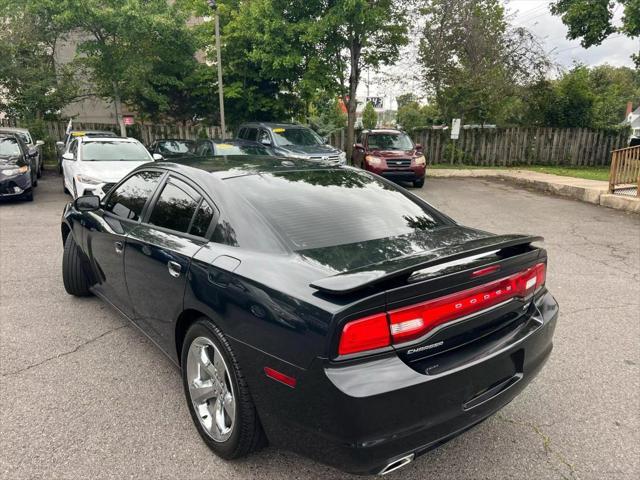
(92, 165)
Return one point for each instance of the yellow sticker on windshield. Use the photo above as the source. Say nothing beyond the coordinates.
(279, 130)
(77, 134)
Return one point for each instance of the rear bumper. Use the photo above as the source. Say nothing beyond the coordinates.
(361, 417)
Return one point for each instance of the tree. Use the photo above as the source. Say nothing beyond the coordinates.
(582, 97)
(32, 86)
(592, 20)
(472, 60)
(133, 52)
(354, 34)
(369, 117)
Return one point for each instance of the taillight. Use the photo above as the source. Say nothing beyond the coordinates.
(367, 333)
(408, 323)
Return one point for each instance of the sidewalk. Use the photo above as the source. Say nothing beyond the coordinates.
(591, 191)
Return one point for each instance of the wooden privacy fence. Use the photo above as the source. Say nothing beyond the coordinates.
(624, 176)
(521, 146)
(55, 130)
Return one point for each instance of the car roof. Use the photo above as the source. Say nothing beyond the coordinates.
(174, 140)
(383, 130)
(106, 133)
(272, 125)
(14, 130)
(106, 139)
(240, 165)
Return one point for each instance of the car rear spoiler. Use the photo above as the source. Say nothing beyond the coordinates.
(351, 281)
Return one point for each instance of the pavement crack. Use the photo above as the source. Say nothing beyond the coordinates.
(546, 445)
(63, 354)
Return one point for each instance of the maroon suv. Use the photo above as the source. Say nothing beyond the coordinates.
(391, 154)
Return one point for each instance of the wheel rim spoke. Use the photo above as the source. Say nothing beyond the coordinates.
(202, 391)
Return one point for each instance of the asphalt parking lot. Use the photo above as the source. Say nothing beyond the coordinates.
(83, 395)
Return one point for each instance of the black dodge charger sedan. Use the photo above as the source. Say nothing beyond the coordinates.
(323, 309)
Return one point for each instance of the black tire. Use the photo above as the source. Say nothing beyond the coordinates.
(39, 174)
(74, 274)
(418, 183)
(28, 196)
(64, 187)
(247, 435)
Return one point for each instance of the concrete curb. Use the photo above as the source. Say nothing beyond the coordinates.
(590, 191)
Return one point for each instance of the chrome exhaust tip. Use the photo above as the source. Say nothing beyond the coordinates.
(397, 464)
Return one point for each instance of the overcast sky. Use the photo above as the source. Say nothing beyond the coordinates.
(551, 32)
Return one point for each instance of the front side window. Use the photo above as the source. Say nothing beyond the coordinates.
(114, 151)
(180, 208)
(390, 141)
(296, 136)
(128, 200)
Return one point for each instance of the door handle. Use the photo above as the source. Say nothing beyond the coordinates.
(119, 246)
(174, 268)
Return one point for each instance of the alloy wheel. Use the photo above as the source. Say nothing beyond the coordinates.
(210, 389)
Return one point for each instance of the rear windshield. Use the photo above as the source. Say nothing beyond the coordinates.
(325, 208)
(9, 146)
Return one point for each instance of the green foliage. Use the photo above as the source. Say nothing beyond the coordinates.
(369, 117)
(591, 21)
(411, 115)
(32, 85)
(326, 116)
(472, 60)
(582, 97)
(138, 51)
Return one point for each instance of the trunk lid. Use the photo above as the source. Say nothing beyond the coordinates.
(465, 272)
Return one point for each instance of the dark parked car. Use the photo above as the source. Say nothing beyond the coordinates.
(322, 308)
(171, 148)
(63, 146)
(17, 168)
(33, 145)
(392, 154)
(295, 141)
(209, 148)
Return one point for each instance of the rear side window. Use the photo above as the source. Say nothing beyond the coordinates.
(128, 200)
(326, 208)
(182, 209)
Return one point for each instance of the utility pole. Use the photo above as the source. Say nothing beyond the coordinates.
(214, 6)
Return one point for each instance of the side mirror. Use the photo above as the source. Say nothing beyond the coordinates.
(157, 157)
(68, 156)
(39, 143)
(266, 142)
(418, 147)
(33, 152)
(59, 144)
(358, 146)
(87, 203)
(326, 140)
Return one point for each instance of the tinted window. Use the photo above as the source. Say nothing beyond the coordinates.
(205, 148)
(324, 208)
(202, 220)
(242, 133)
(175, 147)
(128, 200)
(251, 134)
(175, 206)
